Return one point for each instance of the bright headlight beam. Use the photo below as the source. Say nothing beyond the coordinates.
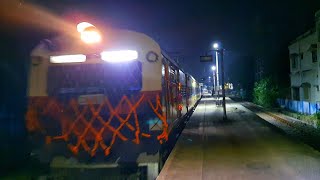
(89, 33)
(119, 56)
(90, 37)
(75, 58)
(82, 26)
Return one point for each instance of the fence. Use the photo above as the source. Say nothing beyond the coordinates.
(299, 106)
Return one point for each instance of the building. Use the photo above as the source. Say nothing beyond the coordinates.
(304, 64)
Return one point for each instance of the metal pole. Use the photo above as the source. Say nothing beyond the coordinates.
(214, 82)
(223, 90)
(217, 69)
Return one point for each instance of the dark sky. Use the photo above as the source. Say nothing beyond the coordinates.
(247, 28)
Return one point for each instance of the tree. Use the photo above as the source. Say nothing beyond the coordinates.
(265, 92)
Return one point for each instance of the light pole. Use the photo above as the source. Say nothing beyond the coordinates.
(216, 47)
(220, 51)
(214, 79)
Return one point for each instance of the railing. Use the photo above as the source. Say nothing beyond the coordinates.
(299, 106)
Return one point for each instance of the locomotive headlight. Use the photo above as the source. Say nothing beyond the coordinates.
(119, 56)
(89, 33)
(75, 58)
(82, 26)
(90, 36)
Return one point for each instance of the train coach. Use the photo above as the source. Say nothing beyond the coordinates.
(109, 95)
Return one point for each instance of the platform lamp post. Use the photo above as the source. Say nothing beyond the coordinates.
(215, 48)
(214, 79)
(220, 51)
(209, 58)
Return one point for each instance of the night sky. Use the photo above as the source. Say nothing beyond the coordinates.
(247, 29)
(188, 28)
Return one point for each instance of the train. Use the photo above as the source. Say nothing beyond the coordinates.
(111, 95)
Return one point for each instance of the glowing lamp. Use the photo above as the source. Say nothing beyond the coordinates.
(88, 33)
(119, 56)
(215, 46)
(75, 58)
(82, 26)
(90, 36)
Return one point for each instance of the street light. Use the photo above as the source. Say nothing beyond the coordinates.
(214, 80)
(220, 51)
(215, 46)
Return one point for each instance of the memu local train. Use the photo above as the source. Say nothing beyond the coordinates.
(109, 95)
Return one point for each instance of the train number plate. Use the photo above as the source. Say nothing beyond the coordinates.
(92, 98)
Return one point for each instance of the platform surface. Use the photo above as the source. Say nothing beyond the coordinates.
(243, 147)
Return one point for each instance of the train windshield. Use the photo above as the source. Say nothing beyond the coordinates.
(104, 78)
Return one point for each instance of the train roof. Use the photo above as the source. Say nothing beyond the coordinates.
(65, 43)
(175, 63)
(169, 58)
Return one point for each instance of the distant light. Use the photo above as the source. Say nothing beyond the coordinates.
(163, 71)
(209, 76)
(119, 56)
(213, 68)
(90, 36)
(194, 84)
(75, 58)
(83, 25)
(231, 86)
(215, 46)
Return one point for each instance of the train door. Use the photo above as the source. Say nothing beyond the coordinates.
(165, 89)
(182, 102)
(173, 91)
(187, 91)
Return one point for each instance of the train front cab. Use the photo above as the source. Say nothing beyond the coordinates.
(101, 112)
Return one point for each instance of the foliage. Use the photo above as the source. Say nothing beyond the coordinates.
(317, 116)
(309, 119)
(313, 120)
(265, 92)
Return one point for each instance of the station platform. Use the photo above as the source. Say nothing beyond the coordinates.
(242, 147)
